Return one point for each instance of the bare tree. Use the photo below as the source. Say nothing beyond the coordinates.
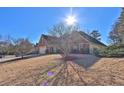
(6, 46)
(23, 46)
(63, 36)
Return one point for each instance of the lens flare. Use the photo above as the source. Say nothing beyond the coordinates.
(70, 20)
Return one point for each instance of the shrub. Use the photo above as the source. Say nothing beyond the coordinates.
(112, 51)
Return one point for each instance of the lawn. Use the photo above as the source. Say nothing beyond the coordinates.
(52, 70)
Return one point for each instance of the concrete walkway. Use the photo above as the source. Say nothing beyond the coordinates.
(8, 58)
(13, 57)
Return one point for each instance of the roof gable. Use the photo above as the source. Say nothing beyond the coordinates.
(85, 36)
(91, 39)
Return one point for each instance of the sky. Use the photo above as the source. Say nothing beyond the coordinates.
(32, 22)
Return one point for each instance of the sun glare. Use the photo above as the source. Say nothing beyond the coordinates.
(70, 20)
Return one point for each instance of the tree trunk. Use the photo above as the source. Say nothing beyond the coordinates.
(22, 56)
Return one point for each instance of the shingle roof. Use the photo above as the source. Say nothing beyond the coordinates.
(48, 37)
(91, 39)
(86, 36)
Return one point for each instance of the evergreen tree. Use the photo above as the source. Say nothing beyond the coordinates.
(120, 29)
(95, 34)
(113, 35)
(116, 36)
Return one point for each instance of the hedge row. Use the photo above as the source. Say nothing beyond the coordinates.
(111, 51)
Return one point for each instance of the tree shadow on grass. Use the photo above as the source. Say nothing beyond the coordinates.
(86, 61)
(63, 74)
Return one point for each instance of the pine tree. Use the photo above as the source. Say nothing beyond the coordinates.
(113, 34)
(120, 29)
(117, 34)
(95, 34)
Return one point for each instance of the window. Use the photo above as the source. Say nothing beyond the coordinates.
(84, 48)
(81, 45)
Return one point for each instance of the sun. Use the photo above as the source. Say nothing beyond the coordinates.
(70, 20)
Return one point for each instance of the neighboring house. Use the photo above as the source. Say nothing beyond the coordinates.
(85, 45)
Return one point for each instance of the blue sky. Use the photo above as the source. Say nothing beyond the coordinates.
(32, 22)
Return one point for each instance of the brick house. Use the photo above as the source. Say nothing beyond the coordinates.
(85, 45)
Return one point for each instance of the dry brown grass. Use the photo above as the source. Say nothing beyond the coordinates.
(33, 71)
(23, 72)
